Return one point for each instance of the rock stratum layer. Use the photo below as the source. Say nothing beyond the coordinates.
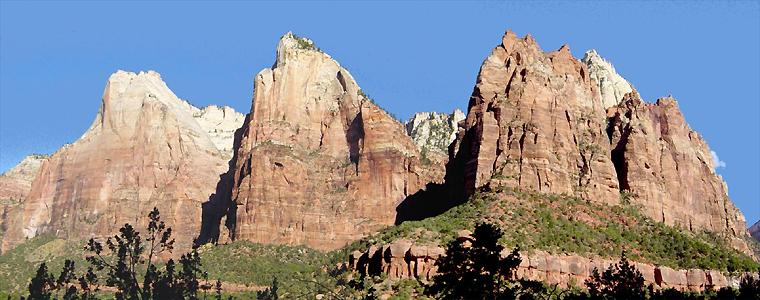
(547, 122)
(145, 149)
(318, 163)
(405, 259)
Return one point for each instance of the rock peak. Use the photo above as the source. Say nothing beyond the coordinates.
(612, 86)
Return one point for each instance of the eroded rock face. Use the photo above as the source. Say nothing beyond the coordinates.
(220, 123)
(754, 231)
(432, 131)
(611, 85)
(539, 121)
(318, 163)
(14, 187)
(535, 121)
(403, 259)
(668, 168)
(145, 149)
(15, 183)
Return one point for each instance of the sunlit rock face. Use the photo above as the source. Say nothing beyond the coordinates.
(145, 149)
(433, 131)
(14, 187)
(547, 122)
(611, 85)
(318, 164)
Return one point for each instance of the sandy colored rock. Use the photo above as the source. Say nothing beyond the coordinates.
(433, 131)
(144, 150)
(611, 86)
(319, 164)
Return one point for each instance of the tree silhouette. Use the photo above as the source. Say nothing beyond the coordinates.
(127, 256)
(620, 281)
(270, 293)
(476, 271)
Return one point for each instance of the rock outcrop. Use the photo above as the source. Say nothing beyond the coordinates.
(145, 149)
(403, 259)
(432, 131)
(15, 183)
(611, 85)
(668, 168)
(14, 187)
(318, 163)
(540, 121)
(220, 123)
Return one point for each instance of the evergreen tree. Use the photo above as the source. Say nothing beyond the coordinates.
(476, 271)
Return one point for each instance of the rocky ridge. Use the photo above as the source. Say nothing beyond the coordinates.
(538, 121)
(433, 131)
(220, 123)
(318, 163)
(145, 149)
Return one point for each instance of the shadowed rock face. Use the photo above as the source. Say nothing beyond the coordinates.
(539, 121)
(145, 149)
(318, 163)
(754, 231)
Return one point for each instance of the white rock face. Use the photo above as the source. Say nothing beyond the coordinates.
(433, 131)
(27, 168)
(611, 85)
(220, 123)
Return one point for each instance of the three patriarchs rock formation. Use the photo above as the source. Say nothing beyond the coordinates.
(317, 163)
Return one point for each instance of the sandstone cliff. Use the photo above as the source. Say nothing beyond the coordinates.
(318, 162)
(432, 131)
(14, 187)
(539, 121)
(754, 231)
(145, 149)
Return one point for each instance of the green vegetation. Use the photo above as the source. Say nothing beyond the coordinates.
(567, 224)
(305, 44)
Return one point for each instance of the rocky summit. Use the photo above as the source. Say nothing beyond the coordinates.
(14, 187)
(547, 122)
(146, 148)
(318, 162)
(433, 131)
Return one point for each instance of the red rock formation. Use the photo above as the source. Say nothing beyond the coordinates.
(403, 259)
(319, 164)
(668, 168)
(143, 150)
(537, 121)
(14, 187)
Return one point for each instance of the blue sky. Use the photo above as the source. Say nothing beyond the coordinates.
(55, 58)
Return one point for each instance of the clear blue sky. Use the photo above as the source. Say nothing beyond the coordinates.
(55, 58)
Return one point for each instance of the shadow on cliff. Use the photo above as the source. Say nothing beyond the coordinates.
(220, 203)
(436, 198)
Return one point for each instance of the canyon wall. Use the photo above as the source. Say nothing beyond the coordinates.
(547, 122)
(318, 163)
(145, 149)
